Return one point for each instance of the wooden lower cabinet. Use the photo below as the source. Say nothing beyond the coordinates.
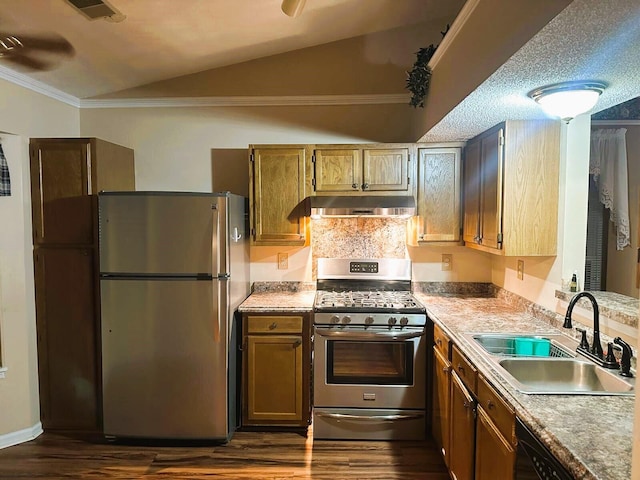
(276, 370)
(495, 456)
(479, 441)
(441, 394)
(463, 423)
(67, 330)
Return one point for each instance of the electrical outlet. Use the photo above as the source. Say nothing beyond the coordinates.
(520, 269)
(446, 261)
(283, 261)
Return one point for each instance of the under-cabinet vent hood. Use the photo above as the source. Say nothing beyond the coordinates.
(365, 206)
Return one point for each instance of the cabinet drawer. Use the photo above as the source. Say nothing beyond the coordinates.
(442, 342)
(497, 409)
(465, 369)
(274, 324)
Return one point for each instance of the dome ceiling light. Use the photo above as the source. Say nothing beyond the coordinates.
(568, 99)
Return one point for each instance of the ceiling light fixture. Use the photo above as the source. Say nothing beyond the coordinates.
(568, 99)
(293, 8)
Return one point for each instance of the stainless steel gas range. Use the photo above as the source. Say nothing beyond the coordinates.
(369, 352)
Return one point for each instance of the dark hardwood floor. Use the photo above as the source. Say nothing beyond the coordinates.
(249, 455)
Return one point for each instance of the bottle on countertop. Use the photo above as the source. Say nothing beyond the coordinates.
(573, 285)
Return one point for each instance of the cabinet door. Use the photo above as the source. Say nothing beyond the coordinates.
(337, 170)
(495, 457)
(60, 187)
(386, 169)
(491, 191)
(439, 195)
(441, 403)
(462, 441)
(67, 338)
(278, 188)
(274, 380)
(471, 183)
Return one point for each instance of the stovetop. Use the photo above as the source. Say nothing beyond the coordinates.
(376, 301)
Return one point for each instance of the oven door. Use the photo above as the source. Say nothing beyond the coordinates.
(371, 367)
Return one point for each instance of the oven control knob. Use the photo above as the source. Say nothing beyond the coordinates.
(392, 320)
(368, 320)
(335, 319)
(346, 319)
(404, 321)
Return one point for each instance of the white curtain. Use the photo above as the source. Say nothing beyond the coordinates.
(608, 164)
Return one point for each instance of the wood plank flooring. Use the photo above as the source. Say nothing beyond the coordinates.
(249, 455)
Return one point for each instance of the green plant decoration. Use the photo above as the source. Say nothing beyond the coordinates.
(420, 75)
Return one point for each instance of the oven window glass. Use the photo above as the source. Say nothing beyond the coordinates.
(370, 363)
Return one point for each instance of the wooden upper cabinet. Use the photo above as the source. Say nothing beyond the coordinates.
(510, 188)
(356, 170)
(337, 170)
(65, 176)
(277, 189)
(438, 195)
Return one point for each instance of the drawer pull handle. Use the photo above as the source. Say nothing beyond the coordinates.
(273, 326)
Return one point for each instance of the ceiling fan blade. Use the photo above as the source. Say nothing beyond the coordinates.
(27, 62)
(56, 45)
(51, 43)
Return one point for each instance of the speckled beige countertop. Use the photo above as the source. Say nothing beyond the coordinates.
(279, 297)
(590, 435)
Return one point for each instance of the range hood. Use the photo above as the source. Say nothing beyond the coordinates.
(361, 206)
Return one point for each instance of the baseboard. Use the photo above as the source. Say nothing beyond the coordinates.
(21, 436)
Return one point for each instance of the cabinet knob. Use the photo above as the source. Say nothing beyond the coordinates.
(365, 186)
(273, 326)
(460, 368)
(354, 186)
(297, 343)
(490, 404)
(438, 342)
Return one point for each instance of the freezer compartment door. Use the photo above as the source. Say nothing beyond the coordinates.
(161, 233)
(165, 358)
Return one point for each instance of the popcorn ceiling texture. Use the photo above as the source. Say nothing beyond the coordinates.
(588, 40)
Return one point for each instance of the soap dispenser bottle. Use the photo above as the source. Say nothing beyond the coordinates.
(573, 285)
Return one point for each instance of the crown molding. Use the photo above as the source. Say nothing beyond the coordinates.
(38, 87)
(454, 30)
(246, 101)
(231, 101)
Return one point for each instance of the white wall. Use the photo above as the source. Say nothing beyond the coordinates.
(23, 114)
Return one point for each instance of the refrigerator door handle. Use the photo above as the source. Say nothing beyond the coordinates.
(215, 263)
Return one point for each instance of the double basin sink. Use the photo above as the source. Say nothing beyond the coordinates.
(547, 364)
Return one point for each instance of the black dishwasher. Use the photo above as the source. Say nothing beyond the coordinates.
(534, 460)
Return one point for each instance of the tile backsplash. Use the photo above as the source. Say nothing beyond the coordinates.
(358, 237)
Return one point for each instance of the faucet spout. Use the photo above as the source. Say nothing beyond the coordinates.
(596, 346)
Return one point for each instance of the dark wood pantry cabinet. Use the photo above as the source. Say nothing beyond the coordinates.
(66, 175)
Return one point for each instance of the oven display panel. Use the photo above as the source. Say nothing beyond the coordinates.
(363, 267)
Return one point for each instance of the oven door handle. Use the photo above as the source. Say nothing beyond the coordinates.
(372, 336)
(368, 418)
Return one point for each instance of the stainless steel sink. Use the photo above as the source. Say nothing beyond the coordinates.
(510, 344)
(563, 376)
(559, 370)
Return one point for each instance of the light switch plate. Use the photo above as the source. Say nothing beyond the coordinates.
(283, 261)
(520, 269)
(446, 261)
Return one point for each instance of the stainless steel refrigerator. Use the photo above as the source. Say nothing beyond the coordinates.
(173, 269)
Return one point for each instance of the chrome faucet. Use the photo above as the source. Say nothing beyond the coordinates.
(596, 347)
